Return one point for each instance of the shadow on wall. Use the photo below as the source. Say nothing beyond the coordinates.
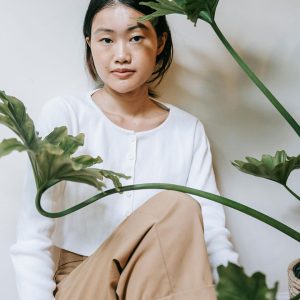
(217, 91)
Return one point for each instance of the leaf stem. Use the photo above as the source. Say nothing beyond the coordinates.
(292, 192)
(225, 201)
(256, 80)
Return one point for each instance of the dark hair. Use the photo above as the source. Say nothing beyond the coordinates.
(163, 60)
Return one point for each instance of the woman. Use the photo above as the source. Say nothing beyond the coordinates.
(136, 245)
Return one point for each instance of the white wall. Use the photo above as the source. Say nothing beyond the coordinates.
(41, 55)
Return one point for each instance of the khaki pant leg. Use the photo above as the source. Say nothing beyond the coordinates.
(157, 253)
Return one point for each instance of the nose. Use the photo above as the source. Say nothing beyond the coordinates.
(122, 53)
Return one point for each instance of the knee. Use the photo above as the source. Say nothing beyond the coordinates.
(174, 205)
(181, 202)
(182, 211)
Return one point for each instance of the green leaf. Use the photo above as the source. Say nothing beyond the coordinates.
(4, 120)
(234, 284)
(194, 10)
(57, 135)
(3, 108)
(114, 177)
(89, 176)
(168, 6)
(87, 161)
(9, 145)
(70, 144)
(161, 8)
(51, 157)
(52, 163)
(13, 114)
(44, 147)
(297, 297)
(93, 177)
(276, 168)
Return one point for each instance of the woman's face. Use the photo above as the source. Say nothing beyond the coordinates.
(124, 51)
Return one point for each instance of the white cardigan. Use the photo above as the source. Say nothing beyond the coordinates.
(177, 151)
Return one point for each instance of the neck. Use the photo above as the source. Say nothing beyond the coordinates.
(127, 104)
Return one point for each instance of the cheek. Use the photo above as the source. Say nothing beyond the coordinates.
(100, 61)
(97, 57)
(148, 55)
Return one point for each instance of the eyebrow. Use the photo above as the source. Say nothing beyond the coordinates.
(130, 28)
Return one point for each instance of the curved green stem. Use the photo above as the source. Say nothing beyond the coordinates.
(256, 80)
(292, 192)
(228, 202)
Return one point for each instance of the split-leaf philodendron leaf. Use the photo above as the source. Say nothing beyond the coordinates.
(276, 168)
(194, 10)
(51, 157)
(234, 284)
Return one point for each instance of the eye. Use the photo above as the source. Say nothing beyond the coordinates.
(106, 41)
(137, 39)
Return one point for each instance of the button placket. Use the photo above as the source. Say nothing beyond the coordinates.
(132, 148)
(131, 159)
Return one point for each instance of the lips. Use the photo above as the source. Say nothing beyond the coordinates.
(122, 73)
(122, 70)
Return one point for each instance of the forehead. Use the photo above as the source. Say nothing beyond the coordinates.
(119, 17)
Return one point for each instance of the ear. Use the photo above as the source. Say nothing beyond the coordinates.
(88, 41)
(161, 43)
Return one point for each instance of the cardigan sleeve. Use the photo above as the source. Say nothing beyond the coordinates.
(32, 253)
(201, 176)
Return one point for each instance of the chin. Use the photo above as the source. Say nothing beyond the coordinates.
(126, 88)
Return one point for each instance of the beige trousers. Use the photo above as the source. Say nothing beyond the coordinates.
(157, 253)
